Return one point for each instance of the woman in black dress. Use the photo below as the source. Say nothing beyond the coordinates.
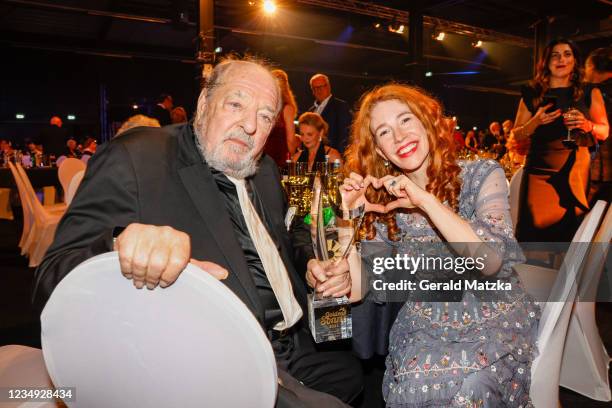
(313, 132)
(555, 178)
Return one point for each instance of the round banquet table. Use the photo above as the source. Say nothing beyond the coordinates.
(39, 177)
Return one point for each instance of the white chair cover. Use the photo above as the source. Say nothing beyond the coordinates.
(514, 191)
(66, 171)
(73, 186)
(28, 214)
(5, 204)
(552, 330)
(60, 160)
(43, 220)
(49, 194)
(23, 367)
(193, 344)
(585, 364)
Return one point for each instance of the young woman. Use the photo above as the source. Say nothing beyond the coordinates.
(554, 187)
(313, 132)
(473, 352)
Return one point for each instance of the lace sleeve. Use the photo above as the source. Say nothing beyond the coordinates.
(491, 218)
(378, 247)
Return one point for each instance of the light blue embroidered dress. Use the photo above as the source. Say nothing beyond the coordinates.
(473, 353)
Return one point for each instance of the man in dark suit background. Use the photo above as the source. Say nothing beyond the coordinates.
(180, 191)
(162, 110)
(335, 111)
(53, 138)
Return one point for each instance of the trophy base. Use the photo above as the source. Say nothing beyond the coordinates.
(330, 318)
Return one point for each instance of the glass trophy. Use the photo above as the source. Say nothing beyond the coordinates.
(332, 237)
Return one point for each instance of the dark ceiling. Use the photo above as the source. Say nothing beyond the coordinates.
(303, 35)
(306, 36)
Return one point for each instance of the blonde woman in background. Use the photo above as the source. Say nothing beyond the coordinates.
(137, 120)
(313, 132)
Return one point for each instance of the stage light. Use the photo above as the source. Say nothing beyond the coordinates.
(457, 127)
(71, 117)
(477, 44)
(439, 35)
(455, 118)
(251, 3)
(134, 106)
(395, 27)
(475, 128)
(218, 50)
(428, 74)
(377, 24)
(19, 116)
(269, 7)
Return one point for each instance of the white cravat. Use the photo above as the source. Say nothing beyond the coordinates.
(270, 258)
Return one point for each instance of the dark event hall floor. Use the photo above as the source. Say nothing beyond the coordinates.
(19, 325)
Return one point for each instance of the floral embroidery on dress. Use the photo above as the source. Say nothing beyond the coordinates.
(472, 353)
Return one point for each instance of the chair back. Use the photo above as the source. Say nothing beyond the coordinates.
(28, 213)
(514, 191)
(23, 367)
(73, 186)
(37, 207)
(5, 204)
(66, 171)
(188, 345)
(585, 364)
(552, 330)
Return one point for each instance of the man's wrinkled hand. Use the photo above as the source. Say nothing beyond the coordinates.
(329, 278)
(152, 255)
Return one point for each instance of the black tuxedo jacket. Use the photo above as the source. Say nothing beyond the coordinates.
(162, 115)
(338, 116)
(157, 176)
(53, 140)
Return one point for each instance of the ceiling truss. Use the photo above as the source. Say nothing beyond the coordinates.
(402, 17)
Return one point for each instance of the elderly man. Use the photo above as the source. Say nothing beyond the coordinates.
(204, 194)
(336, 112)
(491, 138)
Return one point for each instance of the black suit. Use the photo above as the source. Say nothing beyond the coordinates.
(162, 115)
(338, 116)
(53, 140)
(157, 176)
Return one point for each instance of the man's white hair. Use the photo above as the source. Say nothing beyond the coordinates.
(325, 77)
(213, 156)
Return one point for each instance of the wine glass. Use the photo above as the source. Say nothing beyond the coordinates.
(569, 114)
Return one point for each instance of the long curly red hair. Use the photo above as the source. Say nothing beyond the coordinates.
(361, 157)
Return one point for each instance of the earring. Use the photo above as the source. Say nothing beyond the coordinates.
(386, 163)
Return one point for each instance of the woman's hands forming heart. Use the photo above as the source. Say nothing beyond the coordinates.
(353, 193)
(408, 194)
